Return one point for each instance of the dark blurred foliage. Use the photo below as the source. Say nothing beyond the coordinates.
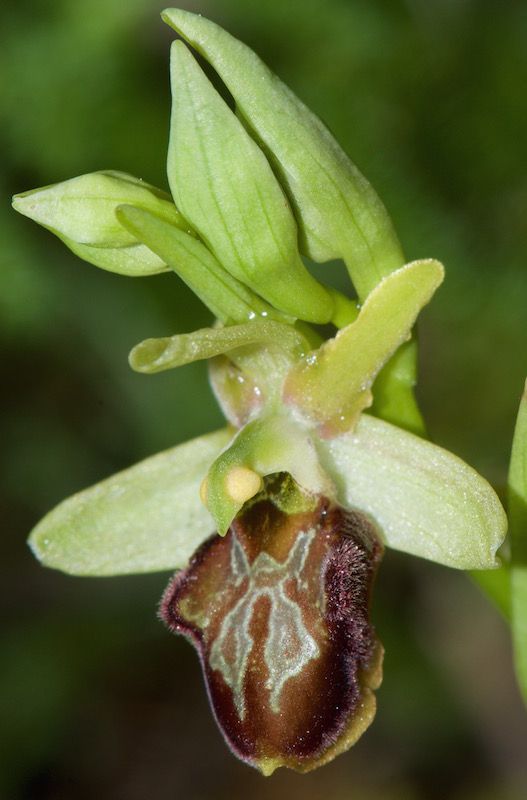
(428, 96)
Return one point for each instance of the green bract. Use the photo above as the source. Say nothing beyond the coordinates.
(252, 188)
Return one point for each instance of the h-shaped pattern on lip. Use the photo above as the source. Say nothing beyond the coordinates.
(289, 645)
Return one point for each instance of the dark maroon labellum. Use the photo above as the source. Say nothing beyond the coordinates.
(278, 611)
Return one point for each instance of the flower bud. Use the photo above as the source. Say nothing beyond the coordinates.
(81, 212)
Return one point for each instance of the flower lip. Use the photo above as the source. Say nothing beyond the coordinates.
(278, 611)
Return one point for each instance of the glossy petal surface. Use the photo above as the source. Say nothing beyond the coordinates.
(278, 611)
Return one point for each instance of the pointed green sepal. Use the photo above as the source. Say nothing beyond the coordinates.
(227, 298)
(518, 522)
(331, 386)
(425, 500)
(147, 518)
(82, 210)
(156, 355)
(225, 187)
(339, 213)
(270, 444)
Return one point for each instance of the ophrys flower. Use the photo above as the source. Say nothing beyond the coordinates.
(303, 488)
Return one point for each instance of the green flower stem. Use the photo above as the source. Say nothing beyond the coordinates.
(496, 584)
(518, 530)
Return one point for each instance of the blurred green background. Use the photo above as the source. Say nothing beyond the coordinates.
(428, 97)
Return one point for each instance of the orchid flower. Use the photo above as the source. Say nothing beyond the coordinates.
(277, 522)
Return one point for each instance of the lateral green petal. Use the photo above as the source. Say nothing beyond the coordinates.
(331, 386)
(339, 213)
(156, 355)
(83, 209)
(269, 444)
(225, 187)
(227, 298)
(517, 487)
(424, 499)
(148, 517)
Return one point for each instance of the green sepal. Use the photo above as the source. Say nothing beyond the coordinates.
(331, 386)
(156, 355)
(82, 209)
(339, 213)
(225, 187)
(227, 298)
(267, 445)
(517, 496)
(147, 518)
(424, 499)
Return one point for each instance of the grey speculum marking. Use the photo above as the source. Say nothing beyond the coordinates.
(289, 645)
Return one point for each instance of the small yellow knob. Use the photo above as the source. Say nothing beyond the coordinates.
(242, 483)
